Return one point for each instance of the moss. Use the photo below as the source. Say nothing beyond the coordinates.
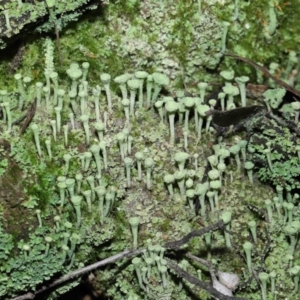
(165, 226)
(42, 188)
(121, 223)
(130, 8)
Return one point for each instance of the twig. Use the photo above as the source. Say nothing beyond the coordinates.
(126, 253)
(203, 285)
(199, 260)
(184, 240)
(265, 71)
(17, 59)
(25, 297)
(29, 116)
(58, 43)
(109, 260)
(267, 246)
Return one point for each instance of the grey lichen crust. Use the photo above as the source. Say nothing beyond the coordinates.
(18, 18)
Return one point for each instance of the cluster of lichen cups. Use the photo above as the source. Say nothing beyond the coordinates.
(133, 92)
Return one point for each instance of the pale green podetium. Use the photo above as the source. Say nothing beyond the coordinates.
(109, 199)
(169, 180)
(139, 156)
(268, 154)
(249, 165)
(87, 160)
(226, 217)
(268, 204)
(215, 186)
(82, 96)
(292, 232)
(18, 78)
(172, 108)
(91, 181)
(273, 277)
(134, 223)
(231, 91)
(221, 97)
(189, 103)
(74, 73)
(296, 106)
(241, 82)
(121, 138)
(144, 274)
(57, 110)
(38, 214)
(159, 105)
(48, 147)
(149, 87)
(163, 272)
(78, 178)
(105, 79)
(190, 195)
(53, 126)
(210, 195)
(96, 98)
(224, 35)
(70, 182)
(65, 249)
(247, 248)
(202, 88)
(252, 228)
(263, 277)
(100, 127)
(160, 80)
(54, 77)
(76, 200)
(201, 189)
(180, 179)
(36, 132)
(141, 76)
(181, 158)
(149, 164)
(243, 145)
(128, 164)
(66, 132)
(67, 157)
(85, 122)
(295, 272)
(57, 225)
(85, 66)
(201, 110)
(60, 97)
(7, 21)
(122, 80)
(6, 106)
(95, 149)
(88, 197)
(74, 239)
(126, 106)
(101, 191)
(72, 96)
(46, 91)
(213, 161)
(102, 146)
(129, 144)
(133, 85)
(48, 240)
(235, 150)
(137, 262)
(26, 249)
